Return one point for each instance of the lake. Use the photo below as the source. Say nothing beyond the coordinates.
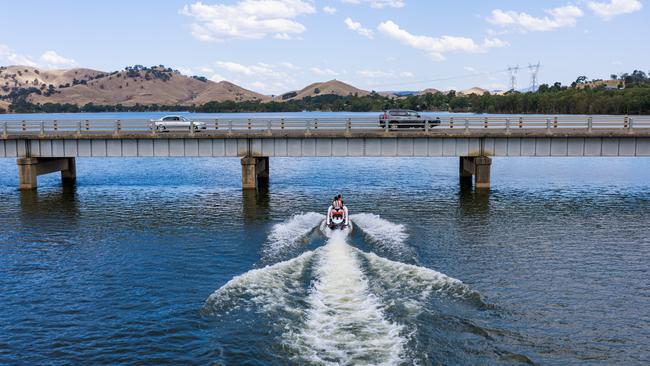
(166, 261)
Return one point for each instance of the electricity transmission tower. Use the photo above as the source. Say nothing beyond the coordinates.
(513, 77)
(534, 71)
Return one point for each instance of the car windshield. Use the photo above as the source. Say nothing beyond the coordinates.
(414, 114)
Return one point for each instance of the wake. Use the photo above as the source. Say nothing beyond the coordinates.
(287, 235)
(345, 323)
(331, 304)
(387, 236)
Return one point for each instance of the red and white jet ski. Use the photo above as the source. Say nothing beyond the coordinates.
(337, 220)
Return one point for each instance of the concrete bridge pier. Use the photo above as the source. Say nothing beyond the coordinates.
(254, 171)
(30, 168)
(478, 167)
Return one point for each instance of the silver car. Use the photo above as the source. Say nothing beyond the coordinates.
(404, 118)
(175, 123)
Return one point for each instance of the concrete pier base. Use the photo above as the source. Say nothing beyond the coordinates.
(466, 172)
(254, 171)
(477, 167)
(30, 168)
(482, 165)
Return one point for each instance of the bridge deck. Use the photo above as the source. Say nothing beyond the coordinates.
(438, 126)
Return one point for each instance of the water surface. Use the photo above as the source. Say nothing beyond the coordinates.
(166, 261)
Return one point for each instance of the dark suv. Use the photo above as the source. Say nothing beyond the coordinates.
(404, 118)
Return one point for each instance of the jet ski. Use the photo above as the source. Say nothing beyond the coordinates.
(337, 220)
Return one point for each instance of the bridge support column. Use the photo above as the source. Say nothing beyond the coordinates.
(466, 172)
(30, 168)
(482, 166)
(254, 171)
(477, 167)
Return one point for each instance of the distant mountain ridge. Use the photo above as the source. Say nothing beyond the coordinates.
(137, 85)
(332, 87)
(156, 85)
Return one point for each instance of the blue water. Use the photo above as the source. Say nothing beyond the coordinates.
(550, 267)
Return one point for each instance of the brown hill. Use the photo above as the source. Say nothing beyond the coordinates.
(332, 87)
(429, 91)
(474, 90)
(21, 77)
(156, 85)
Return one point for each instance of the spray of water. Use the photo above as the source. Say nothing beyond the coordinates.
(287, 235)
(270, 288)
(406, 281)
(343, 316)
(387, 236)
(345, 323)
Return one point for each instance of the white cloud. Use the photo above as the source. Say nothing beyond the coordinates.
(329, 9)
(380, 74)
(247, 19)
(379, 4)
(257, 70)
(10, 57)
(357, 27)
(323, 72)
(469, 69)
(259, 85)
(438, 47)
(608, 10)
(49, 59)
(217, 78)
(205, 70)
(289, 65)
(267, 78)
(565, 16)
(53, 59)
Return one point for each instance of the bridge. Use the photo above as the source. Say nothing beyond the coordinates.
(46, 146)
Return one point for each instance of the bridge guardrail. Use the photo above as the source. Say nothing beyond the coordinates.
(314, 125)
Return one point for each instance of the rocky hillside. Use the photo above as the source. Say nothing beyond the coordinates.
(475, 90)
(133, 85)
(13, 78)
(332, 87)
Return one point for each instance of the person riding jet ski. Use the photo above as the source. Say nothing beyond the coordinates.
(337, 214)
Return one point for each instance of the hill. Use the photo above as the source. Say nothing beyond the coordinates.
(131, 86)
(474, 90)
(22, 77)
(140, 85)
(332, 87)
(429, 91)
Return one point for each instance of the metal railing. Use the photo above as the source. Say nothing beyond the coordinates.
(119, 127)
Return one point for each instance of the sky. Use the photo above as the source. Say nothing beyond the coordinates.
(274, 46)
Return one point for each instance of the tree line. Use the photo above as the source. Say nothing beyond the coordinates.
(578, 98)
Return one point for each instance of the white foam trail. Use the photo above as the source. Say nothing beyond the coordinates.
(287, 234)
(345, 323)
(271, 287)
(415, 282)
(387, 235)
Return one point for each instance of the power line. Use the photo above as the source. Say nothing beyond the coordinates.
(465, 76)
(534, 71)
(513, 77)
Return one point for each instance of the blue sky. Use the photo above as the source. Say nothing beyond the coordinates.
(273, 46)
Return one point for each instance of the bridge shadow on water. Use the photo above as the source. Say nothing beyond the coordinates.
(256, 203)
(60, 203)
